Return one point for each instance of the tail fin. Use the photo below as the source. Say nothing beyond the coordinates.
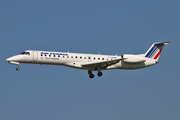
(155, 50)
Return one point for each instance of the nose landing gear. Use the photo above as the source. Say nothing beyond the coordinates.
(17, 68)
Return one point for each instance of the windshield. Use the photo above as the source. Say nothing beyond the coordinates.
(25, 53)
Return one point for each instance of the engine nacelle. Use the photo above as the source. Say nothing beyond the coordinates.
(133, 58)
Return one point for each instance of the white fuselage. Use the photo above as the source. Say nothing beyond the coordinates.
(91, 62)
(76, 60)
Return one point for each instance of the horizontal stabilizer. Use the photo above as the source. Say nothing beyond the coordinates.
(165, 43)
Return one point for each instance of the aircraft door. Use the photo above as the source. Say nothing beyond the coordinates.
(28, 55)
(35, 55)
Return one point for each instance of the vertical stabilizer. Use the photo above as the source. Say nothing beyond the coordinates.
(155, 50)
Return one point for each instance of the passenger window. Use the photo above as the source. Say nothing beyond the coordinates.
(45, 55)
(102, 58)
(76, 56)
(41, 54)
(98, 58)
(58, 55)
(67, 56)
(49, 55)
(63, 56)
(80, 57)
(94, 58)
(84, 57)
(71, 56)
(54, 55)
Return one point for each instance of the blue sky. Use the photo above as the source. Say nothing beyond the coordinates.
(98, 26)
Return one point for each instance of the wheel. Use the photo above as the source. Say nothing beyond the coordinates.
(100, 74)
(91, 75)
(17, 68)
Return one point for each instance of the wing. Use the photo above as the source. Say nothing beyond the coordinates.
(103, 65)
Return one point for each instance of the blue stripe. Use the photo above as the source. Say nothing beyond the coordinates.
(154, 51)
(147, 55)
(157, 50)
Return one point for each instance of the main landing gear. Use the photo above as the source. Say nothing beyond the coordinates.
(92, 75)
(99, 71)
(99, 74)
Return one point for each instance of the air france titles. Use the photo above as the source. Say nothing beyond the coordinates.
(53, 53)
(44, 53)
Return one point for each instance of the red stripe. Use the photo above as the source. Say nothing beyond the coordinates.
(158, 54)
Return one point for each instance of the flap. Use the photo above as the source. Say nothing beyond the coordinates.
(103, 65)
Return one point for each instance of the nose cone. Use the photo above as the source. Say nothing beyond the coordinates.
(9, 59)
(13, 58)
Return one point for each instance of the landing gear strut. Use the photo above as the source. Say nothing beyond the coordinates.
(90, 74)
(99, 71)
(17, 68)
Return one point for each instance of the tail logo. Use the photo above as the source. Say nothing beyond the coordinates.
(154, 51)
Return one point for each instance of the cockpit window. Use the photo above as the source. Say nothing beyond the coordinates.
(25, 53)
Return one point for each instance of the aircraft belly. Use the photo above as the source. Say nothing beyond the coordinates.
(125, 65)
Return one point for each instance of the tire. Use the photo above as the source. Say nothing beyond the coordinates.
(100, 74)
(91, 76)
(17, 68)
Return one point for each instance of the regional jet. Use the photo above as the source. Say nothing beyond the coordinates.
(90, 62)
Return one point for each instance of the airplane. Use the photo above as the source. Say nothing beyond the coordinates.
(91, 62)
